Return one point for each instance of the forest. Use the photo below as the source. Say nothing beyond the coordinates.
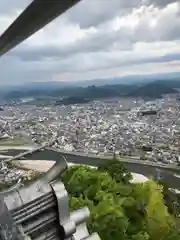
(120, 209)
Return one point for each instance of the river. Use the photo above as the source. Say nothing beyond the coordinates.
(148, 171)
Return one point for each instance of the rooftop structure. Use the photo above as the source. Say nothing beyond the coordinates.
(38, 14)
(41, 211)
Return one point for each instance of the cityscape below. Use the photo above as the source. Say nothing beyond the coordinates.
(90, 120)
(131, 129)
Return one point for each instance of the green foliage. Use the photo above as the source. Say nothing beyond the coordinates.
(158, 218)
(140, 236)
(120, 210)
(109, 221)
(173, 234)
(117, 171)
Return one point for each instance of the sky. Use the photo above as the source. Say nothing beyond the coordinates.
(95, 39)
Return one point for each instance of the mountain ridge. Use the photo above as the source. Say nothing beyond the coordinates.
(151, 90)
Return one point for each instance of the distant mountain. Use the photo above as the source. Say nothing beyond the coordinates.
(152, 90)
(129, 80)
(124, 80)
(84, 92)
(72, 100)
(44, 86)
(35, 89)
(173, 83)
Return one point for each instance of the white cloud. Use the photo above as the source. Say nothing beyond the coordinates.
(96, 40)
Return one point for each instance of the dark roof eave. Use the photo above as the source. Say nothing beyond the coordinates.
(38, 14)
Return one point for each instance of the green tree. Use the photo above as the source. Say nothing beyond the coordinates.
(173, 234)
(141, 236)
(109, 221)
(117, 171)
(158, 218)
(120, 210)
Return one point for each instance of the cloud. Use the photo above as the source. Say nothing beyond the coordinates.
(96, 39)
(10, 10)
(9, 7)
(145, 24)
(98, 11)
(161, 3)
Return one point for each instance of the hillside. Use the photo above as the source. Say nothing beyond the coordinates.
(91, 92)
(152, 90)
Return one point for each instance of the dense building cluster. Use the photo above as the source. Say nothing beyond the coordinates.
(115, 127)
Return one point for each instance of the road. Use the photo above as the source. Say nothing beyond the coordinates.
(12, 152)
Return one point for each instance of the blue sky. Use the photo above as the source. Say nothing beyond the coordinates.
(95, 39)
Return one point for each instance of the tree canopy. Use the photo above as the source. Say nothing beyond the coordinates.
(119, 209)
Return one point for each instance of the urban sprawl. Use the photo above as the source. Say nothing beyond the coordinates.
(115, 127)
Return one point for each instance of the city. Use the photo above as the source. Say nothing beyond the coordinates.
(128, 129)
(121, 127)
(89, 120)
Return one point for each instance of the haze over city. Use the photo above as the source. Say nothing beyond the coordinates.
(106, 41)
